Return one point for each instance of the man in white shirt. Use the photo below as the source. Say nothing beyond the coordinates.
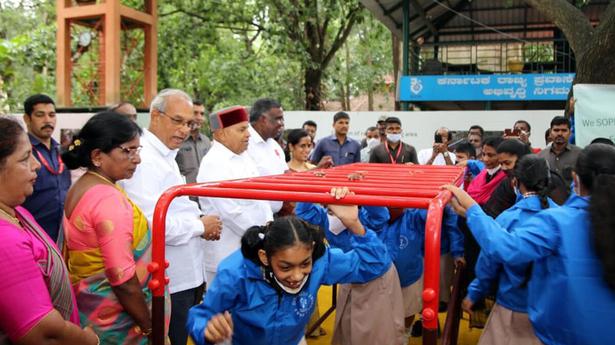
(439, 153)
(266, 123)
(227, 159)
(171, 117)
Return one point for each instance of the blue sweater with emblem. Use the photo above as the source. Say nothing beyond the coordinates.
(569, 301)
(509, 279)
(262, 315)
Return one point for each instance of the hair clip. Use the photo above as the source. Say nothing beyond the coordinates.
(261, 235)
(75, 143)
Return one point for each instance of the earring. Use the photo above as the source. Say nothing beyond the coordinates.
(97, 164)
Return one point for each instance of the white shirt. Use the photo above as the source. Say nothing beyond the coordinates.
(237, 215)
(269, 159)
(157, 172)
(425, 154)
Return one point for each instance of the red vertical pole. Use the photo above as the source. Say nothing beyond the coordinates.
(432, 267)
(159, 264)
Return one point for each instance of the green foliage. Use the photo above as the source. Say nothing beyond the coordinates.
(365, 66)
(223, 52)
(27, 50)
(219, 63)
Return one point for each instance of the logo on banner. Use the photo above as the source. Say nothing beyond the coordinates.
(416, 86)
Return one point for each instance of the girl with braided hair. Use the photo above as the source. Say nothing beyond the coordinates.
(508, 322)
(571, 292)
(264, 294)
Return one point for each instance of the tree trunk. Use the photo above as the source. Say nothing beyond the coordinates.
(395, 50)
(347, 77)
(594, 48)
(313, 76)
(343, 97)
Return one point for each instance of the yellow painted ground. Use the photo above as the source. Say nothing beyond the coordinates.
(466, 336)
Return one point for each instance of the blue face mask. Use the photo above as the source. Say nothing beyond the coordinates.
(394, 138)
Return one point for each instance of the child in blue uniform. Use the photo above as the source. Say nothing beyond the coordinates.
(405, 237)
(265, 293)
(375, 303)
(508, 321)
(571, 292)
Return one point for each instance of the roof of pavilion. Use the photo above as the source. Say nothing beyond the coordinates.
(471, 20)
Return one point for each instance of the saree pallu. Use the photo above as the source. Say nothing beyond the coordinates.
(98, 304)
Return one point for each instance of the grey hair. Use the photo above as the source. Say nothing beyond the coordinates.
(160, 101)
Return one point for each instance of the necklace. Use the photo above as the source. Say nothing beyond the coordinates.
(528, 194)
(10, 217)
(100, 177)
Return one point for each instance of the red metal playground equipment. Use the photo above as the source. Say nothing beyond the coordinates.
(403, 186)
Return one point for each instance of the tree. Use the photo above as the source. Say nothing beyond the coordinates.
(314, 30)
(362, 65)
(214, 52)
(308, 32)
(594, 48)
(27, 51)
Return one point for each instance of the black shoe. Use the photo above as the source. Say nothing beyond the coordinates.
(442, 307)
(417, 329)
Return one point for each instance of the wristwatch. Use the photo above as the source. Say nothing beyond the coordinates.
(445, 154)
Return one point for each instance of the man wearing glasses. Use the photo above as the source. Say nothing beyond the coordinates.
(195, 147)
(171, 119)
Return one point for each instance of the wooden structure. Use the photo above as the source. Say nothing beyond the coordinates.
(392, 185)
(107, 18)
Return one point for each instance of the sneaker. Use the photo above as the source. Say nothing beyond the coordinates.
(417, 329)
(442, 307)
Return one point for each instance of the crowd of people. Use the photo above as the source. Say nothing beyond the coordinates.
(534, 230)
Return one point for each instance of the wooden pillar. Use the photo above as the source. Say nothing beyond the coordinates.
(151, 53)
(112, 13)
(112, 60)
(63, 55)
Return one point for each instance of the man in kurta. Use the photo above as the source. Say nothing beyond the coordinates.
(228, 160)
(266, 124)
(187, 228)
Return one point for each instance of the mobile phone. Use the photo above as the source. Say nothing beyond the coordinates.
(438, 139)
(509, 132)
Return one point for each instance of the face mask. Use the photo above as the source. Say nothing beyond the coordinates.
(493, 171)
(518, 193)
(289, 290)
(575, 185)
(275, 283)
(394, 138)
(335, 224)
(372, 142)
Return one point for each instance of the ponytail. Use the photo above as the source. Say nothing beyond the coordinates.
(595, 168)
(279, 234)
(603, 224)
(252, 241)
(534, 173)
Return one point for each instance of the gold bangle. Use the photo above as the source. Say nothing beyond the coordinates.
(140, 331)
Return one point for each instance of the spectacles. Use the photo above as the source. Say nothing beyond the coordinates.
(131, 152)
(177, 122)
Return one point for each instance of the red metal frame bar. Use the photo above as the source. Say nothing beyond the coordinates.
(402, 186)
